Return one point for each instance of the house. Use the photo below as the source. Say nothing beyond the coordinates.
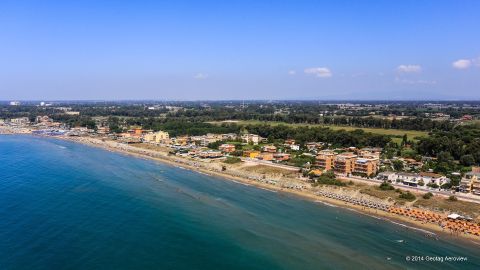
(269, 149)
(434, 178)
(210, 154)
(295, 147)
(387, 176)
(409, 179)
(314, 146)
(289, 141)
(227, 148)
(265, 156)
(281, 156)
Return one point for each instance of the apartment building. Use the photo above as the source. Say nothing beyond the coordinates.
(366, 166)
(470, 183)
(345, 163)
(157, 137)
(21, 121)
(325, 160)
(251, 138)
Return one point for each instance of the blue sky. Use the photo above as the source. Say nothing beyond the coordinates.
(188, 50)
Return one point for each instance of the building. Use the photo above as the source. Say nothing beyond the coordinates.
(281, 156)
(14, 103)
(345, 163)
(289, 141)
(207, 139)
(229, 136)
(157, 137)
(103, 130)
(430, 178)
(21, 121)
(269, 148)
(227, 148)
(180, 141)
(295, 147)
(470, 183)
(325, 160)
(251, 153)
(387, 176)
(265, 156)
(409, 179)
(314, 146)
(43, 119)
(366, 166)
(210, 154)
(162, 137)
(251, 138)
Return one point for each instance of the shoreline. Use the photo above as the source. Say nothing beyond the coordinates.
(430, 229)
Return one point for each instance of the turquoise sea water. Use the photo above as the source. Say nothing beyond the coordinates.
(68, 206)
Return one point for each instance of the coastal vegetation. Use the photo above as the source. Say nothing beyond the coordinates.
(328, 178)
(232, 160)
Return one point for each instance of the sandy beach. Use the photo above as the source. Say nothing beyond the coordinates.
(429, 229)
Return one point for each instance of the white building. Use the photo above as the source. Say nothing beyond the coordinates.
(251, 138)
(20, 121)
(387, 176)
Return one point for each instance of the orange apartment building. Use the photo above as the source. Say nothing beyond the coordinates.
(345, 163)
(367, 166)
(325, 160)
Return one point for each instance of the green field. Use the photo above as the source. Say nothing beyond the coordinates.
(397, 133)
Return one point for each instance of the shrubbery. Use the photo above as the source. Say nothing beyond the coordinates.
(452, 198)
(428, 195)
(386, 186)
(407, 196)
(232, 160)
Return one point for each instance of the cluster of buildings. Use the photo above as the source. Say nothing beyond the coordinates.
(423, 179)
(364, 162)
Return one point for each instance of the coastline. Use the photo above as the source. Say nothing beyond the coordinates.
(430, 230)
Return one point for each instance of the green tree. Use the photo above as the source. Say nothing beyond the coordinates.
(397, 165)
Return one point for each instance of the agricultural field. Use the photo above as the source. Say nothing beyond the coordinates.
(396, 133)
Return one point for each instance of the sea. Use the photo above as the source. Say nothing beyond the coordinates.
(65, 205)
